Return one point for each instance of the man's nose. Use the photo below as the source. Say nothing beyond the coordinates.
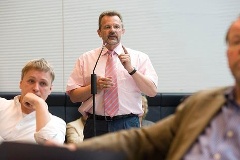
(36, 87)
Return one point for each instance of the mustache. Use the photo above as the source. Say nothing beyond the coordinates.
(112, 34)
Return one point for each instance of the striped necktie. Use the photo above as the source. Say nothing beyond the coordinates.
(111, 103)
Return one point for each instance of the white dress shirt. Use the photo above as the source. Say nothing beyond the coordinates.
(16, 126)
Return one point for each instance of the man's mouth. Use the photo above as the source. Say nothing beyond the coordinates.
(112, 36)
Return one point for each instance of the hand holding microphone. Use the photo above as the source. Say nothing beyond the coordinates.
(104, 83)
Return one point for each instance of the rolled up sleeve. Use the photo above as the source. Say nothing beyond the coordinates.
(55, 130)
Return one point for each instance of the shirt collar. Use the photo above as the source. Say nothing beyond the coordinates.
(229, 93)
(17, 100)
(230, 96)
(118, 50)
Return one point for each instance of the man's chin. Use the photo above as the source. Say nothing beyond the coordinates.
(28, 110)
(237, 79)
(113, 42)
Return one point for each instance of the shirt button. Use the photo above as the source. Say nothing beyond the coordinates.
(229, 134)
(217, 156)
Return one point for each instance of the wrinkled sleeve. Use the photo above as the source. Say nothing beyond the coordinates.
(55, 130)
(72, 135)
(76, 77)
(148, 70)
(75, 132)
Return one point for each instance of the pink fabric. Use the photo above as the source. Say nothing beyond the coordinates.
(111, 103)
(130, 98)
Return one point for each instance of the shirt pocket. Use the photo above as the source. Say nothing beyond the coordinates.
(126, 82)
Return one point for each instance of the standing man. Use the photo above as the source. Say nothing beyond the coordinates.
(26, 117)
(131, 73)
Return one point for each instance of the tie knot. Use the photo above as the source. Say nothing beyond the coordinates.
(111, 53)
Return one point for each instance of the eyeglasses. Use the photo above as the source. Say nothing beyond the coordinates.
(115, 27)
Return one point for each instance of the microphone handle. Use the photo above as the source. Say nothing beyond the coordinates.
(93, 83)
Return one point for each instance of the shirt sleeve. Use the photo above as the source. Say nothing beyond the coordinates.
(75, 131)
(148, 70)
(55, 130)
(72, 135)
(76, 79)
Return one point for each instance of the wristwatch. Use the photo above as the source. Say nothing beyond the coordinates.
(134, 70)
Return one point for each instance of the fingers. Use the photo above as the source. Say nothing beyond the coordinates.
(104, 86)
(125, 59)
(104, 83)
(124, 49)
(28, 99)
(27, 104)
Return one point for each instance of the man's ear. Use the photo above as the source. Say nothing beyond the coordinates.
(99, 33)
(50, 90)
(20, 84)
(123, 31)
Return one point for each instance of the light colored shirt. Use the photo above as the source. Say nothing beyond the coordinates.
(130, 98)
(221, 139)
(75, 131)
(16, 126)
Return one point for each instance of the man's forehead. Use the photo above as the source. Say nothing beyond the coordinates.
(236, 24)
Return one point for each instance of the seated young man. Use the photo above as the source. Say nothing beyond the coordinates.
(26, 118)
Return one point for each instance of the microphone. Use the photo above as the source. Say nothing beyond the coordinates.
(94, 90)
(99, 56)
(94, 76)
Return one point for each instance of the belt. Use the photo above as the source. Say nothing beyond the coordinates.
(108, 118)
